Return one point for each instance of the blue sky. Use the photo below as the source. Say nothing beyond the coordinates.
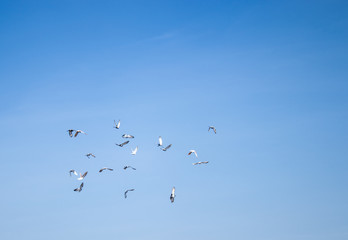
(270, 75)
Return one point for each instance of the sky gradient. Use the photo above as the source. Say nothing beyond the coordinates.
(271, 76)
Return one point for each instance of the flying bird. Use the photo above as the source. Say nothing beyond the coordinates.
(82, 176)
(166, 148)
(89, 155)
(200, 163)
(172, 195)
(192, 151)
(79, 131)
(212, 127)
(125, 193)
(105, 168)
(122, 144)
(71, 131)
(127, 136)
(72, 171)
(117, 125)
(135, 151)
(79, 189)
(159, 141)
(125, 167)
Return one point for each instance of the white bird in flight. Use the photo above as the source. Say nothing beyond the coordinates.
(82, 176)
(79, 189)
(212, 127)
(200, 163)
(192, 151)
(125, 167)
(72, 171)
(127, 136)
(172, 195)
(125, 193)
(117, 125)
(166, 148)
(79, 131)
(105, 168)
(135, 151)
(159, 141)
(89, 155)
(122, 144)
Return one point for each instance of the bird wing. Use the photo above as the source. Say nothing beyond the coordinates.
(160, 141)
(84, 175)
(167, 147)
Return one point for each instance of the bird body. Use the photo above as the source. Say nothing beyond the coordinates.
(122, 144)
(117, 125)
(71, 131)
(193, 151)
(212, 127)
(200, 163)
(159, 141)
(125, 167)
(135, 151)
(172, 195)
(82, 176)
(79, 189)
(89, 155)
(125, 193)
(127, 136)
(72, 171)
(105, 168)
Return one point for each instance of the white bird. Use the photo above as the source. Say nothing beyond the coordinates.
(127, 136)
(135, 151)
(172, 195)
(79, 189)
(125, 167)
(117, 125)
(166, 148)
(79, 131)
(159, 141)
(192, 151)
(200, 163)
(89, 155)
(105, 168)
(212, 127)
(72, 171)
(122, 144)
(71, 131)
(125, 193)
(82, 176)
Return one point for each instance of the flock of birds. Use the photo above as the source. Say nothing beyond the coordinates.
(75, 133)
